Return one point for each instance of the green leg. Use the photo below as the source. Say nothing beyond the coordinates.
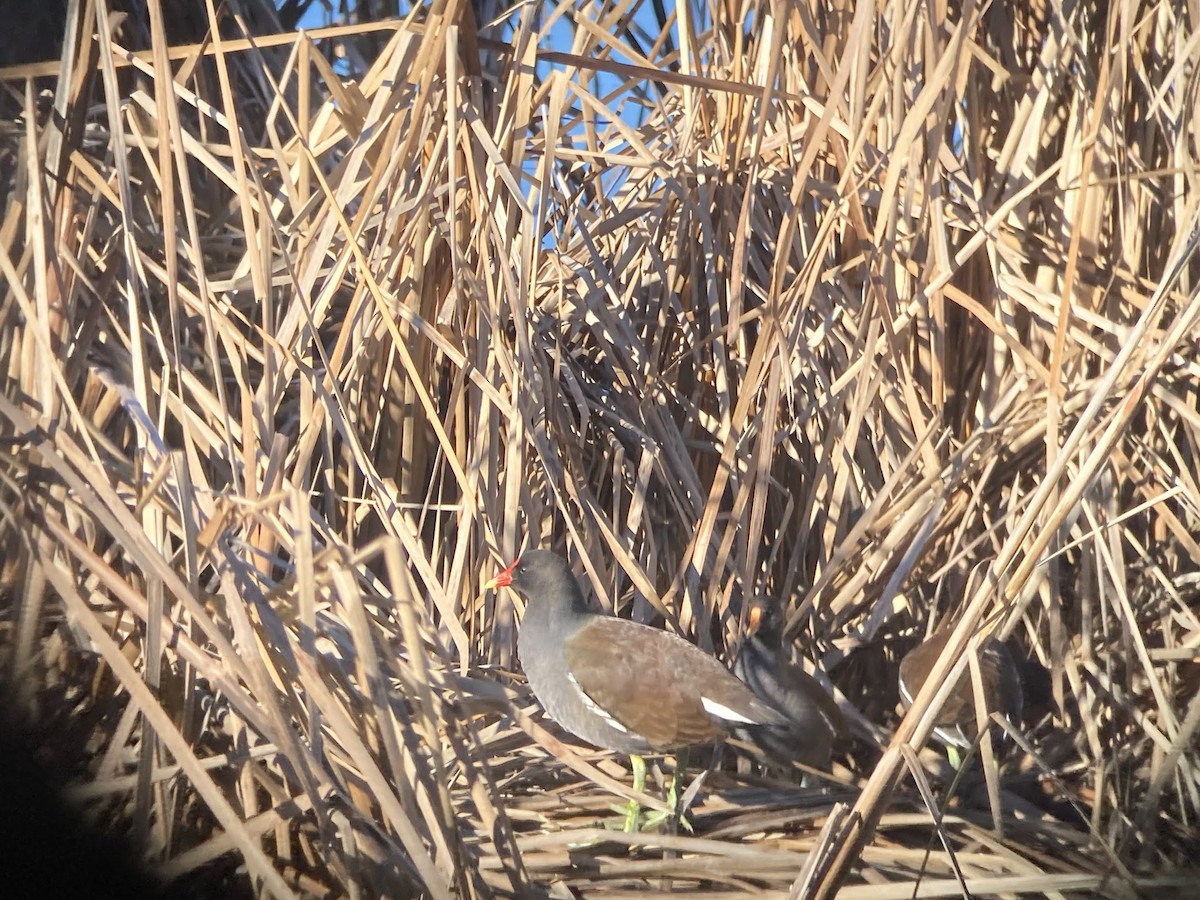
(954, 756)
(657, 818)
(634, 812)
(681, 762)
(673, 790)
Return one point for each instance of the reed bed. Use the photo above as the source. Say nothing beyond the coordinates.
(888, 309)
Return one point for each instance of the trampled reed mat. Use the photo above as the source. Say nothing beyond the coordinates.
(886, 311)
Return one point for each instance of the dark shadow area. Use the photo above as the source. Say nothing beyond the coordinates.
(46, 850)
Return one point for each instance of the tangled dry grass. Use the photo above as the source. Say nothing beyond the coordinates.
(887, 309)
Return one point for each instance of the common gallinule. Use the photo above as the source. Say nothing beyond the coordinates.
(813, 718)
(1000, 678)
(616, 683)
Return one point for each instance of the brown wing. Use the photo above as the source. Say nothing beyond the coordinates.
(1001, 680)
(959, 707)
(655, 683)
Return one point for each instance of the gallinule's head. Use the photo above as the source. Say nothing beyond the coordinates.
(1000, 679)
(541, 574)
(814, 721)
(764, 623)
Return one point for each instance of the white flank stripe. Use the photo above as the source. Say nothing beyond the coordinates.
(596, 707)
(713, 708)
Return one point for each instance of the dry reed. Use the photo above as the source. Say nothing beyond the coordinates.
(888, 309)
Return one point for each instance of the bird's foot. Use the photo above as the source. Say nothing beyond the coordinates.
(630, 819)
(678, 815)
(672, 817)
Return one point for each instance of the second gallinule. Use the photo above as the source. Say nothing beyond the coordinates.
(616, 683)
(814, 721)
(999, 675)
